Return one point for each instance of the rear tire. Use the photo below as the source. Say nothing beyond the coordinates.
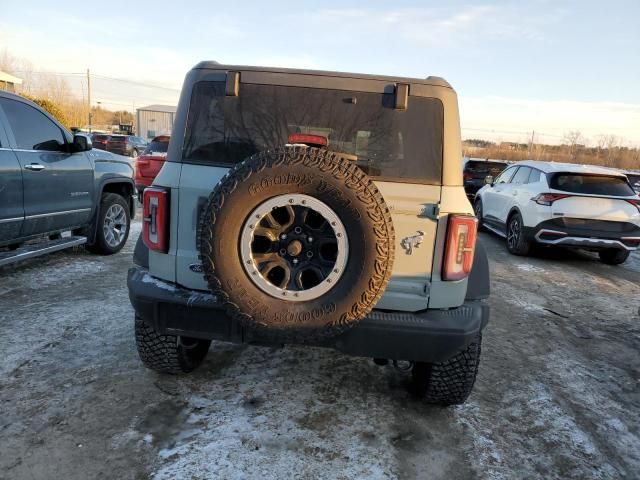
(613, 256)
(449, 382)
(477, 210)
(168, 353)
(113, 226)
(516, 241)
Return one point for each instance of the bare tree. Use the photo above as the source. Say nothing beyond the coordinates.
(573, 139)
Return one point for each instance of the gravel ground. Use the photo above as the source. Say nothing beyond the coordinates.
(557, 394)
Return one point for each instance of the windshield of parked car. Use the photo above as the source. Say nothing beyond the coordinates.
(591, 184)
(385, 142)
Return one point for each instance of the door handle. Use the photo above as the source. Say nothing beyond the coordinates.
(36, 167)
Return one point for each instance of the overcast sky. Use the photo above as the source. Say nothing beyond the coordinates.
(543, 65)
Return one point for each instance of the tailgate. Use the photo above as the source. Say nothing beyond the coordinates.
(596, 208)
(415, 232)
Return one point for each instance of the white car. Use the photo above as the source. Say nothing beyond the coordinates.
(561, 204)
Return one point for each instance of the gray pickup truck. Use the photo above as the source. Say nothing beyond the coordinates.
(55, 190)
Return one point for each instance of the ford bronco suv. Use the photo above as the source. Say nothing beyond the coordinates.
(55, 190)
(315, 208)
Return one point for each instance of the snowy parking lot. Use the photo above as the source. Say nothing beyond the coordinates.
(557, 394)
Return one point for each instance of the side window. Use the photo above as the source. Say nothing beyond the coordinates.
(522, 176)
(31, 129)
(535, 176)
(505, 177)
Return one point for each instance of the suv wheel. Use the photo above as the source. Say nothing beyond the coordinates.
(477, 210)
(113, 225)
(134, 153)
(613, 256)
(516, 241)
(315, 240)
(168, 353)
(449, 382)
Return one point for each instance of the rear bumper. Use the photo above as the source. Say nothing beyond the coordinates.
(588, 234)
(427, 336)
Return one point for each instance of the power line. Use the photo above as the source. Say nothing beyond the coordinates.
(103, 77)
(137, 83)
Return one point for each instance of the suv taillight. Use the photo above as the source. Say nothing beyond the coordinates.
(548, 198)
(461, 245)
(155, 217)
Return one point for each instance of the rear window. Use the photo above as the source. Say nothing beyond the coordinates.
(485, 168)
(388, 143)
(160, 146)
(591, 184)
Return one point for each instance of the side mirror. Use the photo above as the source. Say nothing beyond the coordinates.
(488, 179)
(82, 143)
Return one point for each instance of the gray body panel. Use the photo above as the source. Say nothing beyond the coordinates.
(62, 195)
(11, 203)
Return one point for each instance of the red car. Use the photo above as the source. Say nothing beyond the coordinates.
(150, 162)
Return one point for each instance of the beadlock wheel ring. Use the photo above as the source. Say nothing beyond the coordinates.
(294, 247)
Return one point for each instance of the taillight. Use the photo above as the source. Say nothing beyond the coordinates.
(635, 203)
(467, 175)
(461, 245)
(155, 217)
(548, 198)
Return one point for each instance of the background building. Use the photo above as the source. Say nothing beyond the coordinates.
(155, 120)
(9, 82)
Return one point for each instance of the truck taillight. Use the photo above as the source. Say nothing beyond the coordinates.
(461, 245)
(155, 217)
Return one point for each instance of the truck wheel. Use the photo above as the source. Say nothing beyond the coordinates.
(315, 243)
(613, 256)
(168, 353)
(449, 382)
(516, 241)
(113, 225)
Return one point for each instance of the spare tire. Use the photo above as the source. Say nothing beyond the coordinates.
(297, 242)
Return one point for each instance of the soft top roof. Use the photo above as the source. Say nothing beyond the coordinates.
(213, 65)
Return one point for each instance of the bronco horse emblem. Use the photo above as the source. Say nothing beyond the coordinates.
(408, 243)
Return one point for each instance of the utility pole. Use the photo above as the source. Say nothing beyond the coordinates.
(89, 96)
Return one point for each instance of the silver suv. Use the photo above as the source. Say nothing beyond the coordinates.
(314, 208)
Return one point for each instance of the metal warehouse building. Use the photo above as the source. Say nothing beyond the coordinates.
(155, 120)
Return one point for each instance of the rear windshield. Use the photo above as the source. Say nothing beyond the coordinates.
(388, 143)
(591, 184)
(117, 138)
(485, 168)
(159, 146)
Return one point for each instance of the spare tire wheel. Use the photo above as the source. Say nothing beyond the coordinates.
(297, 242)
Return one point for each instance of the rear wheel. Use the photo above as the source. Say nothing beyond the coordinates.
(168, 353)
(516, 241)
(477, 209)
(613, 256)
(449, 382)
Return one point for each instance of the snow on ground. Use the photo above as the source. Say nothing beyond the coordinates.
(556, 396)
